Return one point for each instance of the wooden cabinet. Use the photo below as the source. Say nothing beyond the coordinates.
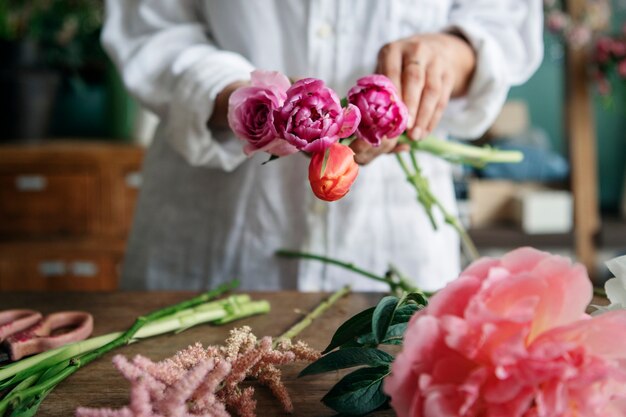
(65, 212)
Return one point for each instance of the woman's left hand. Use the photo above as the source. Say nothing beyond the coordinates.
(427, 70)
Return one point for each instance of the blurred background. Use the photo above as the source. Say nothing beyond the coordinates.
(72, 142)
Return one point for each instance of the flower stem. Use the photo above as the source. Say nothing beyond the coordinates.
(415, 179)
(424, 192)
(461, 153)
(347, 265)
(15, 398)
(399, 285)
(311, 316)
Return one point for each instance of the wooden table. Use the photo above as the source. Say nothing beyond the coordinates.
(100, 385)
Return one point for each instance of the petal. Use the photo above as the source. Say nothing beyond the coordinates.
(617, 266)
(523, 259)
(274, 79)
(616, 291)
(603, 335)
(454, 298)
(351, 120)
(568, 293)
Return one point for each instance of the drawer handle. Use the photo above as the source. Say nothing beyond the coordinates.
(52, 268)
(134, 179)
(84, 269)
(31, 183)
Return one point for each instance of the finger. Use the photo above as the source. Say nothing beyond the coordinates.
(387, 146)
(413, 77)
(428, 102)
(403, 147)
(446, 92)
(390, 62)
(363, 151)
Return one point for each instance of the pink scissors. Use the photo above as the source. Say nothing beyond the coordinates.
(26, 332)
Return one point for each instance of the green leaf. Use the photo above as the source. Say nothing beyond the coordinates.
(418, 297)
(394, 336)
(354, 327)
(344, 102)
(347, 358)
(403, 314)
(383, 314)
(272, 158)
(359, 392)
(351, 344)
(30, 406)
(325, 161)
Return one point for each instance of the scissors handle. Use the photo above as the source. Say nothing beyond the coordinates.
(13, 321)
(40, 337)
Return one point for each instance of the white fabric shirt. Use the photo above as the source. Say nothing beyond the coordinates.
(207, 214)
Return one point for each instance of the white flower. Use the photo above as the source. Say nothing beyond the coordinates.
(615, 287)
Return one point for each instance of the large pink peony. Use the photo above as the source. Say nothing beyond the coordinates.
(312, 118)
(510, 338)
(383, 114)
(251, 113)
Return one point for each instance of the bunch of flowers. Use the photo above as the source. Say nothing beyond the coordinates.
(609, 57)
(274, 116)
(509, 337)
(577, 33)
(206, 381)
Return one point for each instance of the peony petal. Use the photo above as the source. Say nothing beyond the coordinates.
(454, 298)
(617, 266)
(616, 291)
(523, 259)
(603, 336)
(261, 78)
(568, 293)
(351, 120)
(480, 268)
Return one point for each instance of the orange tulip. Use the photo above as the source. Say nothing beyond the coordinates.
(340, 172)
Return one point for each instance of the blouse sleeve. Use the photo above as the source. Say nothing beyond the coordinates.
(169, 62)
(507, 36)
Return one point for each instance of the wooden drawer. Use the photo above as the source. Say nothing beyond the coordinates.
(47, 204)
(82, 272)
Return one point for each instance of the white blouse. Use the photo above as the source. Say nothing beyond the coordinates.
(207, 214)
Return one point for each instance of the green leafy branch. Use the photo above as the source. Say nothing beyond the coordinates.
(356, 343)
(398, 282)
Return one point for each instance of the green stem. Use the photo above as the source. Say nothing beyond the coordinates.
(423, 189)
(418, 182)
(309, 318)
(399, 286)
(461, 153)
(347, 265)
(74, 364)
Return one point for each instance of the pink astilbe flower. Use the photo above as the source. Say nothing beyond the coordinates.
(200, 381)
(510, 338)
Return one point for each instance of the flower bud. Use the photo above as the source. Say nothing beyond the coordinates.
(340, 172)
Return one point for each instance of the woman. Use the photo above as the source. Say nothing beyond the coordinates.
(206, 214)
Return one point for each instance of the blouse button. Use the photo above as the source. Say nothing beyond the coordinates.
(325, 31)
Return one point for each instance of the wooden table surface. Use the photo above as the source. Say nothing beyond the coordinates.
(100, 385)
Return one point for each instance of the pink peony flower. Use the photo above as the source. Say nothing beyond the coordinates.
(251, 113)
(340, 173)
(383, 114)
(510, 338)
(312, 118)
